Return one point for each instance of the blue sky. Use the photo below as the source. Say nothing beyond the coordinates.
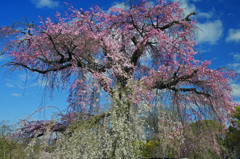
(21, 93)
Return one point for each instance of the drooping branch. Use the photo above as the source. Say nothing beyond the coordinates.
(54, 46)
(194, 90)
(38, 70)
(10, 45)
(139, 51)
(177, 22)
(173, 82)
(41, 129)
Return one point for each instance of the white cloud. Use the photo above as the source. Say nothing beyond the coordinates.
(16, 95)
(233, 35)
(235, 67)
(188, 7)
(9, 85)
(46, 3)
(120, 5)
(236, 57)
(236, 90)
(210, 32)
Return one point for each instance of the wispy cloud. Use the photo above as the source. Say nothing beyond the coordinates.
(9, 85)
(207, 15)
(2, 58)
(16, 95)
(210, 32)
(235, 65)
(45, 3)
(40, 82)
(23, 77)
(236, 57)
(233, 35)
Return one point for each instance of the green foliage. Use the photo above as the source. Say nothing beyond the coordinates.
(149, 148)
(236, 118)
(10, 148)
(153, 148)
(233, 139)
(206, 125)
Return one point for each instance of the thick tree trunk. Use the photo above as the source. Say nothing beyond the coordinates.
(122, 126)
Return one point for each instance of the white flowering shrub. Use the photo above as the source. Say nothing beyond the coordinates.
(114, 136)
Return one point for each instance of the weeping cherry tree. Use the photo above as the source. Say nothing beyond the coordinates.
(118, 65)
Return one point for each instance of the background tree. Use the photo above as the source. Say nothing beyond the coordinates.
(232, 139)
(206, 140)
(133, 58)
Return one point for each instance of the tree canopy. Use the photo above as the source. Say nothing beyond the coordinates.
(125, 60)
